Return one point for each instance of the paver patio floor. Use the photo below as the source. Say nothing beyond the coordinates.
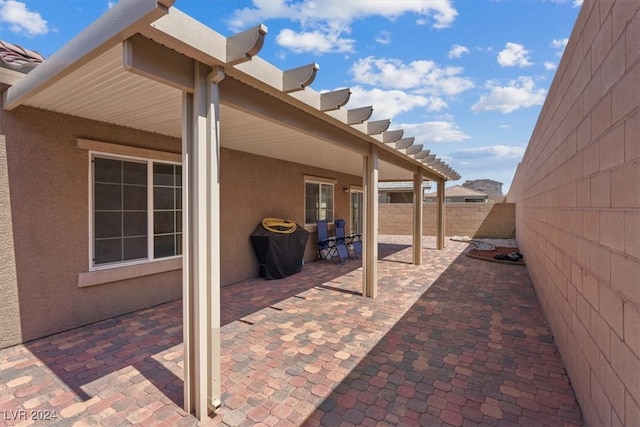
(456, 341)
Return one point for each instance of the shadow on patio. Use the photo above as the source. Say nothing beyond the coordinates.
(244, 298)
(128, 368)
(453, 340)
(474, 349)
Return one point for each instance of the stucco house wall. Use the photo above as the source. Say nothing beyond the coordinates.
(44, 214)
(577, 196)
(255, 187)
(45, 227)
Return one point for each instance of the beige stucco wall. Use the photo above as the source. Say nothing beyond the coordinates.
(461, 219)
(44, 229)
(577, 195)
(255, 187)
(10, 329)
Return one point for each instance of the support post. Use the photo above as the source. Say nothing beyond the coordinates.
(370, 249)
(417, 217)
(201, 243)
(441, 201)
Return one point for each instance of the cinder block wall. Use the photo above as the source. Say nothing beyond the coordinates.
(577, 195)
(461, 219)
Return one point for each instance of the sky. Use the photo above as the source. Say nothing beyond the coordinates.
(466, 78)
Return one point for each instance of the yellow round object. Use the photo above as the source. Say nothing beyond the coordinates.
(279, 225)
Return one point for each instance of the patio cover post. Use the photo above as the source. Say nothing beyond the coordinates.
(441, 230)
(370, 256)
(417, 217)
(201, 243)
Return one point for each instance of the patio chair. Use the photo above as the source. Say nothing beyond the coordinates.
(356, 245)
(342, 252)
(351, 241)
(340, 234)
(325, 243)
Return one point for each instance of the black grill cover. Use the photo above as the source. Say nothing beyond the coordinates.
(279, 255)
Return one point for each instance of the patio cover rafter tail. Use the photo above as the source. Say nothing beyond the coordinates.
(390, 136)
(354, 115)
(298, 78)
(422, 154)
(405, 142)
(414, 149)
(264, 76)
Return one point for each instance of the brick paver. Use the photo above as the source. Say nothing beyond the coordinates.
(456, 341)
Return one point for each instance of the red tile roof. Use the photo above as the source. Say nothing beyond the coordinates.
(17, 58)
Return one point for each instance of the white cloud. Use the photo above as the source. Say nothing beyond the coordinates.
(22, 20)
(332, 11)
(384, 37)
(550, 65)
(435, 131)
(505, 127)
(493, 153)
(519, 93)
(425, 77)
(334, 17)
(575, 3)
(389, 103)
(314, 42)
(559, 45)
(457, 51)
(514, 54)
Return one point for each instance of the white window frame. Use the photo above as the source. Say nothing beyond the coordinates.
(320, 181)
(150, 209)
(358, 190)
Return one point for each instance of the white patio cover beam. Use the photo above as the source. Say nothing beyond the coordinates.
(417, 217)
(394, 160)
(116, 25)
(152, 60)
(440, 216)
(244, 98)
(189, 35)
(370, 217)
(201, 243)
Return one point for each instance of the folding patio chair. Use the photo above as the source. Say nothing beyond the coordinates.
(342, 242)
(356, 244)
(351, 241)
(325, 243)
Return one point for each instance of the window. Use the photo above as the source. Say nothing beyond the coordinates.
(137, 210)
(357, 205)
(318, 202)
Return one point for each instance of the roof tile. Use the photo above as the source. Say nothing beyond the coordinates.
(17, 58)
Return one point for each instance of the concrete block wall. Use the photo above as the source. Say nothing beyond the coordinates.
(461, 219)
(577, 196)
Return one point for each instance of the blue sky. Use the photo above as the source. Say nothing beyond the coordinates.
(466, 78)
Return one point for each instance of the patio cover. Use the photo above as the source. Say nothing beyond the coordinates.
(148, 66)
